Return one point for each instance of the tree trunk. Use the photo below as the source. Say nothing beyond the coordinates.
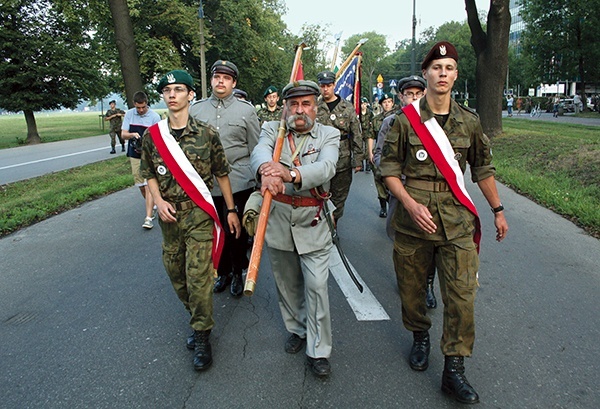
(33, 137)
(130, 66)
(491, 50)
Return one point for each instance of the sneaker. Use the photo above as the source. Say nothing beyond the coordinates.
(148, 223)
(154, 212)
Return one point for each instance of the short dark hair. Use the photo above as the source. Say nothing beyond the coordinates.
(140, 97)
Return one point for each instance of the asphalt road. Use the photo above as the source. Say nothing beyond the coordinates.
(88, 319)
(25, 162)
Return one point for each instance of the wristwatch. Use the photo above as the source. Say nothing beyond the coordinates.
(294, 175)
(497, 209)
(234, 210)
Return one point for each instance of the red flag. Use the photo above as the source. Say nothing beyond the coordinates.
(299, 73)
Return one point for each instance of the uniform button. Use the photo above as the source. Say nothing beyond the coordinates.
(293, 224)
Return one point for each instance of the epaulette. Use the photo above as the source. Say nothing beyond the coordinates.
(246, 102)
(199, 101)
(468, 109)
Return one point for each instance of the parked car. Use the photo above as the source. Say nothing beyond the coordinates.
(567, 104)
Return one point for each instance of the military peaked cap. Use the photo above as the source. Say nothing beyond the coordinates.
(300, 89)
(326, 77)
(176, 77)
(225, 67)
(240, 93)
(412, 81)
(443, 49)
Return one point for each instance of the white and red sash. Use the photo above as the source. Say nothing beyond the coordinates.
(436, 143)
(189, 179)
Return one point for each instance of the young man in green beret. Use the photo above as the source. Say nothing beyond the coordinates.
(272, 111)
(180, 157)
(430, 142)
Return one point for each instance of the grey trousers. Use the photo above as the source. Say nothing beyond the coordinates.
(304, 298)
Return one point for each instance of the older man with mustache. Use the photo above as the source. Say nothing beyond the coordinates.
(297, 236)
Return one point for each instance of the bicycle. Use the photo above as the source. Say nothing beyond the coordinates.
(535, 111)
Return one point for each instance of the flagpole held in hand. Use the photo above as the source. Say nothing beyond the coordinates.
(261, 227)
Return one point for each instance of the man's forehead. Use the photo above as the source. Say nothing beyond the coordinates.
(444, 62)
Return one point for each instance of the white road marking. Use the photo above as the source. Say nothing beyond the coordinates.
(365, 305)
(52, 158)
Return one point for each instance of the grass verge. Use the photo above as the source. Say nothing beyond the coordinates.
(30, 201)
(556, 165)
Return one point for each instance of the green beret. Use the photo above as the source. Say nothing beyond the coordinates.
(225, 67)
(299, 89)
(386, 95)
(176, 77)
(364, 99)
(326, 77)
(412, 81)
(270, 90)
(443, 49)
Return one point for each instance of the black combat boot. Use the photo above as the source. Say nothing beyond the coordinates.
(383, 211)
(190, 343)
(454, 381)
(419, 353)
(222, 282)
(237, 284)
(202, 350)
(430, 300)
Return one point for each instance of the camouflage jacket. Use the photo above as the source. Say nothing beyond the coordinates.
(366, 124)
(201, 144)
(344, 118)
(403, 154)
(115, 123)
(264, 115)
(378, 119)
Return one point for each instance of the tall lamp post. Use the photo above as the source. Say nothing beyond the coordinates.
(202, 48)
(413, 67)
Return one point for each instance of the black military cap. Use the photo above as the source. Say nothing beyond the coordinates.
(412, 81)
(240, 93)
(112, 102)
(272, 89)
(385, 96)
(326, 77)
(300, 89)
(443, 49)
(225, 67)
(175, 77)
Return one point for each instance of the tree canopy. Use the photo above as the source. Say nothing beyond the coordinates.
(48, 59)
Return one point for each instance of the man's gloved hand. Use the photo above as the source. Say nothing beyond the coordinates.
(251, 213)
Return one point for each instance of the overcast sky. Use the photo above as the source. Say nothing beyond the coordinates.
(392, 18)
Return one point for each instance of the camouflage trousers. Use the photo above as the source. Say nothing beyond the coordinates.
(339, 189)
(187, 248)
(457, 264)
(382, 192)
(113, 138)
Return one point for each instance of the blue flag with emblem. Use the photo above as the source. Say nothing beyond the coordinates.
(347, 85)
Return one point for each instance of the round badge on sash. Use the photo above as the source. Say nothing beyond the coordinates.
(457, 156)
(332, 117)
(161, 170)
(421, 155)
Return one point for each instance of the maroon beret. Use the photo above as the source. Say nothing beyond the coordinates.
(443, 49)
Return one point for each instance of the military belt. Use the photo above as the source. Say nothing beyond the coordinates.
(188, 204)
(297, 201)
(427, 185)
